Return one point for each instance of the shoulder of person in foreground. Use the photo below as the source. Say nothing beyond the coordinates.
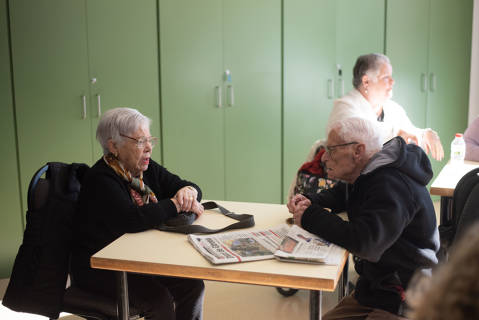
(451, 293)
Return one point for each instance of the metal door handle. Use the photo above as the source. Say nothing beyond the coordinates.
(231, 95)
(432, 82)
(83, 114)
(98, 104)
(218, 97)
(423, 82)
(330, 89)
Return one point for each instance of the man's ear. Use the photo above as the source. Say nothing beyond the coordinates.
(359, 151)
(365, 81)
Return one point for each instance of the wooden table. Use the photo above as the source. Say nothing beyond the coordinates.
(170, 254)
(446, 182)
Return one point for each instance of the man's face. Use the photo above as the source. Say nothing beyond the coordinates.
(381, 88)
(338, 158)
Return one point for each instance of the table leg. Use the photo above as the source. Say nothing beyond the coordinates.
(344, 282)
(445, 210)
(315, 297)
(123, 303)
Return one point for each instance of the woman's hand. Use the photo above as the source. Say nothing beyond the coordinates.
(197, 208)
(186, 198)
(432, 143)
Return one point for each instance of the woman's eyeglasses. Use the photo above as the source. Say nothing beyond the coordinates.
(141, 142)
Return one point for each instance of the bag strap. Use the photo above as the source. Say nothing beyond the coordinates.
(244, 221)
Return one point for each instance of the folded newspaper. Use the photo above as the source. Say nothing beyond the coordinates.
(283, 242)
(301, 246)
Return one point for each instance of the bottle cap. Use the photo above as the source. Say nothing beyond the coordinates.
(458, 135)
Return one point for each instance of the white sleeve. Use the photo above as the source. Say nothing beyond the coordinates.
(398, 119)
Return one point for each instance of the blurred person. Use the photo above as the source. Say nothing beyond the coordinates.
(453, 290)
(471, 137)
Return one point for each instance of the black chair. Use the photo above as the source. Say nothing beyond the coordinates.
(465, 211)
(41, 282)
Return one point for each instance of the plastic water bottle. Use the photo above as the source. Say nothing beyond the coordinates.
(458, 149)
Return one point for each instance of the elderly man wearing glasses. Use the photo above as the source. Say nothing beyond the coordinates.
(126, 191)
(391, 228)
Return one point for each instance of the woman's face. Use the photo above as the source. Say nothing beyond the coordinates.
(381, 88)
(135, 159)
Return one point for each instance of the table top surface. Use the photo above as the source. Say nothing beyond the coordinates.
(170, 254)
(449, 176)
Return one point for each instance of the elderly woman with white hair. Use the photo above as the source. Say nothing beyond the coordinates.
(391, 228)
(371, 99)
(126, 191)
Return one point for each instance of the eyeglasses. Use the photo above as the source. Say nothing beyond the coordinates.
(330, 149)
(140, 142)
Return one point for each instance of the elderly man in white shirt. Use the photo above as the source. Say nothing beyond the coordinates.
(371, 99)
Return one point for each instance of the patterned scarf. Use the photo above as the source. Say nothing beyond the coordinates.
(140, 193)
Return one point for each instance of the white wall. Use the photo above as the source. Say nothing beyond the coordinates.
(474, 81)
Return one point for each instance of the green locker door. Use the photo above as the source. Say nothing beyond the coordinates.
(191, 85)
(449, 69)
(50, 80)
(407, 34)
(252, 53)
(359, 30)
(11, 229)
(308, 79)
(123, 59)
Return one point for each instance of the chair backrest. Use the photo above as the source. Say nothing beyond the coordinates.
(466, 207)
(39, 275)
(465, 210)
(312, 152)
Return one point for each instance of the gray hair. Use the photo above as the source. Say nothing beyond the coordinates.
(118, 121)
(360, 130)
(368, 64)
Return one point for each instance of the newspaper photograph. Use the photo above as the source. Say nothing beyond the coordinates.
(239, 246)
(301, 246)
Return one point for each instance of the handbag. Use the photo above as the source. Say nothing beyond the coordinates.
(184, 222)
(311, 178)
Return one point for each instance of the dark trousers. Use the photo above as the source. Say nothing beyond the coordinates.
(156, 297)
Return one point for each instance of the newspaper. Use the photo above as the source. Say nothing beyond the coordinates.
(283, 242)
(239, 246)
(301, 246)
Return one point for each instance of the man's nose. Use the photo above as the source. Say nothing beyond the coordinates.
(325, 156)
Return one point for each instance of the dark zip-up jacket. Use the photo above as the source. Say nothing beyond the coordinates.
(391, 227)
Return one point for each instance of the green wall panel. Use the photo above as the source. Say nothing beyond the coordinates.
(11, 228)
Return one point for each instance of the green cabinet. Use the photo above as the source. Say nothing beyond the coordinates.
(72, 60)
(11, 229)
(429, 44)
(322, 40)
(221, 96)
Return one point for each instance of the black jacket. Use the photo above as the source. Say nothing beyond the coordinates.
(392, 224)
(106, 211)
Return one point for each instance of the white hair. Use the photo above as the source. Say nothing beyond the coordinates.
(118, 121)
(360, 130)
(370, 65)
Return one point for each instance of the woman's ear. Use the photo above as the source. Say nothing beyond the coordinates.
(112, 147)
